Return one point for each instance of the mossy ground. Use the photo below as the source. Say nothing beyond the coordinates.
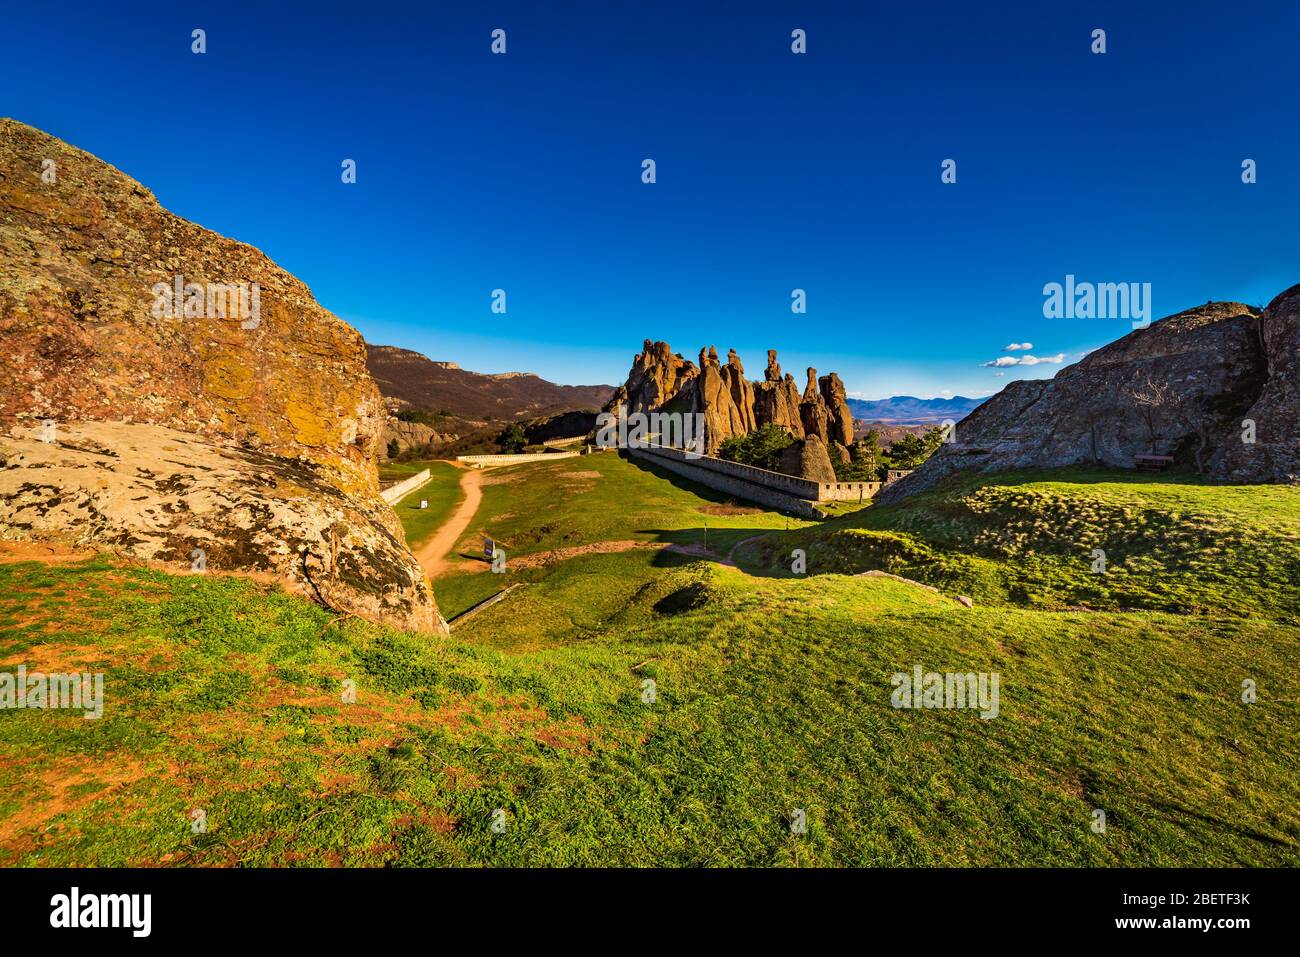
(772, 694)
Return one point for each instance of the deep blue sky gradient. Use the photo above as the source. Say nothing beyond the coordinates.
(775, 171)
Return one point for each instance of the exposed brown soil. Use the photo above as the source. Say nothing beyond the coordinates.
(11, 552)
(432, 555)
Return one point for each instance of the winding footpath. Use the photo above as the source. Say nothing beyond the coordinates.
(435, 554)
(432, 554)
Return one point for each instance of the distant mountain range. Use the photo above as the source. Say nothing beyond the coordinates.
(909, 410)
(433, 386)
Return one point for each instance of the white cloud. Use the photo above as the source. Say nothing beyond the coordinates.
(999, 375)
(1018, 347)
(1003, 361)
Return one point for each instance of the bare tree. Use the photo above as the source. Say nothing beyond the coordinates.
(1156, 404)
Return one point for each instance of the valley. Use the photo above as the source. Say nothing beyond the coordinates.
(771, 690)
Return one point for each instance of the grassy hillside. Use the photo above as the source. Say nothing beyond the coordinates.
(1171, 543)
(552, 508)
(772, 694)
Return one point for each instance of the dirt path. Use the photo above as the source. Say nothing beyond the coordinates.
(432, 555)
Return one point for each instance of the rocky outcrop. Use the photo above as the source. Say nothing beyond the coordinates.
(808, 459)
(812, 409)
(839, 418)
(411, 435)
(188, 504)
(657, 375)
(724, 397)
(662, 381)
(776, 399)
(1274, 456)
(553, 428)
(1181, 387)
(241, 388)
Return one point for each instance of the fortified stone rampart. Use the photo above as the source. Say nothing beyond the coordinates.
(515, 459)
(711, 471)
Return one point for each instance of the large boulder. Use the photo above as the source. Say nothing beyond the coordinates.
(264, 395)
(809, 459)
(1274, 456)
(1180, 387)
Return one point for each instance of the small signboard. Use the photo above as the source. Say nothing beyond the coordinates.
(489, 548)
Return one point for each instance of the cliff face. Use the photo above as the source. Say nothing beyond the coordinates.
(243, 367)
(661, 380)
(1275, 455)
(1181, 387)
(411, 435)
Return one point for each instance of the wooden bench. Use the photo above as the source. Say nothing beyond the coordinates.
(1153, 463)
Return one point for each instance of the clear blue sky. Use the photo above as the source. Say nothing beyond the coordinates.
(775, 171)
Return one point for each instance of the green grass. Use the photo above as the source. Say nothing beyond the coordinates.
(773, 694)
(392, 472)
(545, 506)
(442, 492)
(1171, 543)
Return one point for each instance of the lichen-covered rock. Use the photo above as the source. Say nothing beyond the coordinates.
(89, 336)
(183, 502)
(1180, 387)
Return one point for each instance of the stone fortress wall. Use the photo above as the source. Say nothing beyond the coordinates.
(776, 489)
(515, 459)
(395, 493)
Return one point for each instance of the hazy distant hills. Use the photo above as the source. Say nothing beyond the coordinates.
(445, 387)
(909, 410)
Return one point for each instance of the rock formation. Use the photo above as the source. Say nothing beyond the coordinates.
(662, 381)
(812, 409)
(240, 425)
(776, 399)
(565, 425)
(411, 435)
(1181, 387)
(657, 375)
(839, 418)
(724, 397)
(808, 459)
(1275, 454)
